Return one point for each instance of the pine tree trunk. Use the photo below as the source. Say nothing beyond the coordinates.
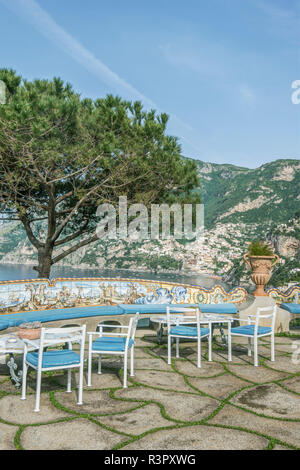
(45, 262)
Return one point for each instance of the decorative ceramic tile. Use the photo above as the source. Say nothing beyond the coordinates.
(17, 296)
(290, 295)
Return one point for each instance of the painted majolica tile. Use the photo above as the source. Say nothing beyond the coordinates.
(17, 296)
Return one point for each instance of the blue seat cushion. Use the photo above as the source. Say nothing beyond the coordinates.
(110, 343)
(229, 308)
(143, 308)
(182, 330)
(15, 319)
(60, 358)
(3, 325)
(72, 313)
(249, 330)
(292, 308)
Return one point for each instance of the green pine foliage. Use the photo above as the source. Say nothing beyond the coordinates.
(62, 155)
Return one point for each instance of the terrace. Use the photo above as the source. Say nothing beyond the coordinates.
(222, 405)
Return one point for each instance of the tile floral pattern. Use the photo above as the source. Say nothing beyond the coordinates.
(26, 295)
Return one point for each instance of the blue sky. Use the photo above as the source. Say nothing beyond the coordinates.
(222, 69)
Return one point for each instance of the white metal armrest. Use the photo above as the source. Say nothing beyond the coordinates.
(100, 333)
(255, 316)
(31, 343)
(181, 310)
(112, 326)
(266, 316)
(252, 322)
(189, 317)
(47, 343)
(265, 309)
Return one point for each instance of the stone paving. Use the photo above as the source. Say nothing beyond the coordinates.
(220, 406)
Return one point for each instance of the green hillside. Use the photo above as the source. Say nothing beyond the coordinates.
(274, 187)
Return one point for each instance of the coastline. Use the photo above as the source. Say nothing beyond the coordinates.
(19, 271)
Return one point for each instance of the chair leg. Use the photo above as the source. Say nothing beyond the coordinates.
(89, 381)
(132, 362)
(69, 379)
(99, 364)
(80, 385)
(229, 343)
(177, 347)
(38, 391)
(125, 371)
(210, 344)
(169, 349)
(255, 352)
(272, 348)
(249, 347)
(24, 379)
(199, 353)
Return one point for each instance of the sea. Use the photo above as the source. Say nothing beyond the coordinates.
(9, 272)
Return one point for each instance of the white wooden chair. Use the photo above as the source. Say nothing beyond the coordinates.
(56, 359)
(181, 330)
(254, 331)
(113, 344)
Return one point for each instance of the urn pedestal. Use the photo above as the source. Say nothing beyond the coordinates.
(261, 271)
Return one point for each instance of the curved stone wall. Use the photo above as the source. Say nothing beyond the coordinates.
(43, 294)
(290, 295)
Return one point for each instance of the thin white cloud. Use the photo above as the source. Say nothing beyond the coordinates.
(45, 24)
(275, 12)
(209, 62)
(31, 12)
(282, 21)
(207, 59)
(248, 95)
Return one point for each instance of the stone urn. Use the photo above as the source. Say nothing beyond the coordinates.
(261, 270)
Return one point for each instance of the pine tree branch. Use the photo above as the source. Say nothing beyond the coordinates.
(74, 248)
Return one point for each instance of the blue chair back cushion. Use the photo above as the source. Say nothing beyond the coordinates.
(111, 343)
(249, 330)
(60, 358)
(182, 330)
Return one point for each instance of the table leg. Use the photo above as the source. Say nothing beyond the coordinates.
(160, 333)
(16, 376)
(223, 336)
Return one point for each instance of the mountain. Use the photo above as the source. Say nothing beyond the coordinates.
(248, 204)
(266, 194)
(241, 205)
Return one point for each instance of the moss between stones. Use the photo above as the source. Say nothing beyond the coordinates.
(174, 423)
